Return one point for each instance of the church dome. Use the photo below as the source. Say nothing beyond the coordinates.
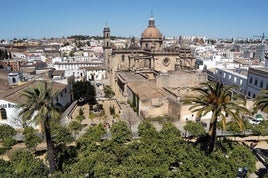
(151, 32)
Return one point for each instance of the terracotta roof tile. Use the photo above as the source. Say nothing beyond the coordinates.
(14, 94)
(146, 90)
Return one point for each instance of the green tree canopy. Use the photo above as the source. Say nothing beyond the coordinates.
(234, 127)
(146, 130)
(84, 92)
(158, 155)
(75, 127)
(31, 138)
(62, 135)
(6, 131)
(25, 165)
(121, 133)
(195, 129)
(108, 92)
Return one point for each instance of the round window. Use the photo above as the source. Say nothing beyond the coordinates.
(166, 61)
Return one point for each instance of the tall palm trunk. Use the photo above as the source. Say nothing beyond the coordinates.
(50, 147)
(212, 136)
(213, 130)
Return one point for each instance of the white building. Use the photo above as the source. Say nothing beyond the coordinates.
(257, 80)
(9, 113)
(95, 73)
(66, 49)
(236, 77)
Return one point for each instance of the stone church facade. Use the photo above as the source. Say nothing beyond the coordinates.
(149, 59)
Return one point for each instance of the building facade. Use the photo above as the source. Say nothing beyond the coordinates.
(257, 81)
(148, 57)
(9, 113)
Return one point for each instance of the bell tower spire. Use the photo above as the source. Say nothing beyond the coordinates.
(151, 20)
(106, 36)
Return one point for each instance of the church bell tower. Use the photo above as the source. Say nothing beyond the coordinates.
(107, 50)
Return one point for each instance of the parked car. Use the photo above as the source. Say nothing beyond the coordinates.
(254, 121)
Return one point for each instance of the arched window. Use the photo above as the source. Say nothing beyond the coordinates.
(123, 58)
(13, 80)
(3, 114)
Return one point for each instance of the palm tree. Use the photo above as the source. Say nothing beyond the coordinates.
(221, 101)
(39, 106)
(261, 101)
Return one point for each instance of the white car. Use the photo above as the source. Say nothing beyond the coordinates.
(254, 121)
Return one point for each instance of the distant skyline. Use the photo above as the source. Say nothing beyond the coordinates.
(58, 18)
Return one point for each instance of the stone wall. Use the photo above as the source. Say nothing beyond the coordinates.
(180, 79)
(151, 108)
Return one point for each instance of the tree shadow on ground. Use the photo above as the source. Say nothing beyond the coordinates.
(261, 172)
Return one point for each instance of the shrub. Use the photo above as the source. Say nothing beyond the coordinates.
(9, 142)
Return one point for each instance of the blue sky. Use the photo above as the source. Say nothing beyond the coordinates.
(57, 18)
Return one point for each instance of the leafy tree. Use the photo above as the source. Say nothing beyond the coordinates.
(40, 106)
(64, 154)
(159, 155)
(81, 115)
(62, 135)
(6, 135)
(195, 129)
(247, 126)
(8, 142)
(6, 131)
(234, 127)
(241, 156)
(108, 92)
(84, 92)
(6, 169)
(259, 129)
(169, 130)
(261, 101)
(81, 112)
(146, 130)
(25, 165)
(31, 138)
(91, 137)
(121, 133)
(221, 101)
(75, 127)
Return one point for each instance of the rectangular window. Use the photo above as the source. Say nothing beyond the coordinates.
(261, 84)
(235, 79)
(250, 80)
(256, 82)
